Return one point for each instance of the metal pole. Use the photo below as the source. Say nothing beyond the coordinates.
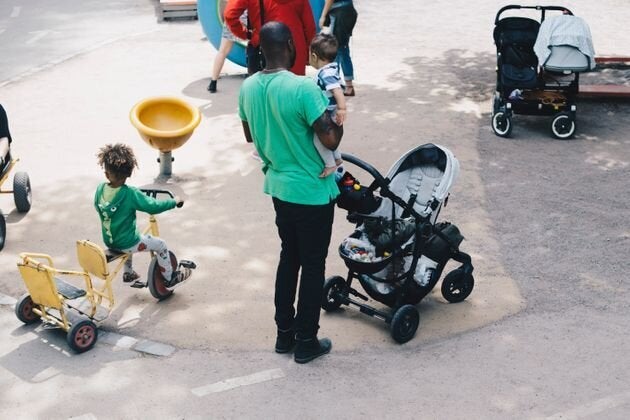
(166, 160)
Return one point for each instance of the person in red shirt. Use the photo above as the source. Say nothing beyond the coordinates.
(296, 14)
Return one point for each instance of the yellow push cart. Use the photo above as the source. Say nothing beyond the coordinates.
(54, 298)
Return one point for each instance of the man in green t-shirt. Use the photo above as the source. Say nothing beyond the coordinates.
(280, 112)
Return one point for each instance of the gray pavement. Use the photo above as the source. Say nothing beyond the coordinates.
(542, 336)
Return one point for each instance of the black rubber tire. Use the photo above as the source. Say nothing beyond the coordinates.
(3, 230)
(333, 288)
(82, 335)
(22, 193)
(457, 285)
(404, 323)
(501, 124)
(563, 126)
(24, 310)
(156, 281)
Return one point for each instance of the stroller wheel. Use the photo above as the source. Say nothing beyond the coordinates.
(457, 285)
(502, 124)
(563, 126)
(404, 323)
(333, 293)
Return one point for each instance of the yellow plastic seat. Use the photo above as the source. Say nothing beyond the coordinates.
(40, 284)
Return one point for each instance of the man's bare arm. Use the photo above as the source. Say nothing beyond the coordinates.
(248, 134)
(329, 133)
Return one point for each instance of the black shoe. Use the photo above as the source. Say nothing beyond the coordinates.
(212, 87)
(312, 348)
(178, 276)
(285, 341)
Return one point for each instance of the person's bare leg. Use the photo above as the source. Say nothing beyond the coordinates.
(219, 60)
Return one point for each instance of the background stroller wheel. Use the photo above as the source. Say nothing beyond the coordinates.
(24, 310)
(22, 194)
(457, 285)
(405, 323)
(155, 280)
(3, 230)
(502, 124)
(82, 336)
(333, 293)
(563, 126)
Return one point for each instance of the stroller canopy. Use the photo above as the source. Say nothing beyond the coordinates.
(564, 30)
(410, 174)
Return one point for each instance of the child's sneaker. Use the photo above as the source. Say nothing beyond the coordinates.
(130, 277)
(179, 276)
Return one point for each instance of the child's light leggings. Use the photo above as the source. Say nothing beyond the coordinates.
(151, 243)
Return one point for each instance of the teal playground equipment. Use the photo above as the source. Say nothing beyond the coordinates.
(210, 14)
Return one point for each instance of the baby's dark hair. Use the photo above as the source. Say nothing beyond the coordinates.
(118, 159)
(325, 47)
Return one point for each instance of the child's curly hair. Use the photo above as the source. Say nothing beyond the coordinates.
(118, 159)
(325, 47)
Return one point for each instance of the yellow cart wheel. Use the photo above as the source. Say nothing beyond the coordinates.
(82, 336)
(24, 310)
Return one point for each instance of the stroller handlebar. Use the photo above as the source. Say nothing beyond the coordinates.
(380, 179)
(541, 8)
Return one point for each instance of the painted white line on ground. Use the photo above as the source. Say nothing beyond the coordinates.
(88, 416)
(16, 11)
(255, 378)
(593, 408)
(37, 35)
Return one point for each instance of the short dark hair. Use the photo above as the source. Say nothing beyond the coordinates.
(118, 159)
(325, 47)
(274, 37)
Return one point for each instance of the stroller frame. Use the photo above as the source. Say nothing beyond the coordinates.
(404, 317)
(543, 98)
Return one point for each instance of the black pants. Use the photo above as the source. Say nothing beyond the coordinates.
(305, 234)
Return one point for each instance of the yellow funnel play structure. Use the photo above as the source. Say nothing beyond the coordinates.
(165, 123)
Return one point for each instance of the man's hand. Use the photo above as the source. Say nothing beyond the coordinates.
(328, 132)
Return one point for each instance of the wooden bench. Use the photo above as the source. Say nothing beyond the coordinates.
(604, 91)
(168, 9)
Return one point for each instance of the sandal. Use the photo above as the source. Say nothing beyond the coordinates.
(129, 277)
(349, 91)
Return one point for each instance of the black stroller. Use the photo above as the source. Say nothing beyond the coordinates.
(398, 251)
(527, 86)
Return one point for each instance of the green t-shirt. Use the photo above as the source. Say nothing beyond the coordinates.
(280, 109)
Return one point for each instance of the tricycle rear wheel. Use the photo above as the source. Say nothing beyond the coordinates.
(22, 194)
(157, 283)
(3, 230)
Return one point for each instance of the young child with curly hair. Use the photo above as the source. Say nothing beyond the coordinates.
(117, 203)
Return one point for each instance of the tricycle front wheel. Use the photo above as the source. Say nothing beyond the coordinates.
(157, 283)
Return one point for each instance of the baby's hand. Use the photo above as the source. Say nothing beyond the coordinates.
(340, 117)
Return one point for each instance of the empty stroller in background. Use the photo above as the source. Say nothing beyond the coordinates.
(538, 68)
(398, 251)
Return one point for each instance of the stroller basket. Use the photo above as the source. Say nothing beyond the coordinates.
(363, 267)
